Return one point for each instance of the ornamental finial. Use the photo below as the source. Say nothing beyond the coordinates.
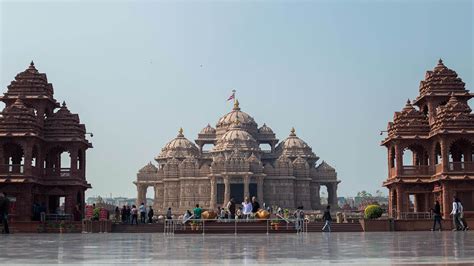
(293, 132)
(440, 61)
(64, 103)
(180, 131)
(32, 64)
(236, 105)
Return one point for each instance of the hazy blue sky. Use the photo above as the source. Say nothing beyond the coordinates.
(335, 70)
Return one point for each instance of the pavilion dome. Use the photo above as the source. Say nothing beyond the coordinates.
(30, 84)
(237, 139)
(208, 130)
(294, 147)
(245, 120)
(19, 119)
(265, 130)
(408, 121)
(441, 79)
(149, 168)
(179, 147)
(64, 125)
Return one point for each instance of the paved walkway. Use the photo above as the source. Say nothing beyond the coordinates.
(311, 248)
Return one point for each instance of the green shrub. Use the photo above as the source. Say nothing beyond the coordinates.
(373, 212)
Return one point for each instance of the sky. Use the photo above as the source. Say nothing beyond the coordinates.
(138, 71)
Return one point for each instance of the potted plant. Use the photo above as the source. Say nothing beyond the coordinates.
(275, 224)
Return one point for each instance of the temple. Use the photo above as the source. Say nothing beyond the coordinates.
(243, 160)
(42, 148)
(437, 130)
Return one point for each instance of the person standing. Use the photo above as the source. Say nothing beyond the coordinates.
(255, 205)
(247, 208)
(150, 215)
(197, 212)
(134, 212)
(124, 214)
(77, 213)
(4, 206)
(117, 214)
(142, 213)
(461, 217)
(327, 219)
(169, 215)
(456, 213)
(128, 214)
(436, 216)
(231, 208)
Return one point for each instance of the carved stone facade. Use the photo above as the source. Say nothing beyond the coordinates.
(440, 135)
(32, 138)
(285, 174)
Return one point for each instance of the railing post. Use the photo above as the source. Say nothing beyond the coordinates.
(267, 226)
(235, 226)
(203, 226)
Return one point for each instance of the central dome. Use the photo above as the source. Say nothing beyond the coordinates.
(236, 114)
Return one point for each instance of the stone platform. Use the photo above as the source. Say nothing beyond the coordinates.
(376, 248)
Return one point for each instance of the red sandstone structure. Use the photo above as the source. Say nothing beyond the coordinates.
(440, 135)
(33, 136)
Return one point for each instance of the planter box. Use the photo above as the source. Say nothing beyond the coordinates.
(375, 225)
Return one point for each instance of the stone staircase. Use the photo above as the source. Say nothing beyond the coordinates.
(141, 228)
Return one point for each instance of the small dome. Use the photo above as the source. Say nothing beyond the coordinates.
(265, 129)
(208, 130)
(293, 147)
(179, 147)
(149, 168)
(236, 115)
(325, 167)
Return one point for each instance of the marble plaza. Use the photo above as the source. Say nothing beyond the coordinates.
(284, 249)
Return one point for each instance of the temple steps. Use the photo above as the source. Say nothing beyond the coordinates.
(229, 228)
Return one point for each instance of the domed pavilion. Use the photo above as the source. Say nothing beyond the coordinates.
(245, 161)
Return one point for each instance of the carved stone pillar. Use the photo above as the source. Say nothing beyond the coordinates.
(444, 155)
(213, 193)
(260, 189)
(332, 194)
(398, 159)
(28, 160)
(446, 201)
(74, 155)
(246, 186)
(141, 189)
(226, 189)
(399, 201)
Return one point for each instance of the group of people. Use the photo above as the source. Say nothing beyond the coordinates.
(459, 222)
(130, 215)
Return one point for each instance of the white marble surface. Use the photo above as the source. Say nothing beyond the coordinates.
(284, 249)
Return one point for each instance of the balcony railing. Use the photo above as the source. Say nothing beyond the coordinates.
(60, 172)
(12, 169)
(461, 167)
(416, 170)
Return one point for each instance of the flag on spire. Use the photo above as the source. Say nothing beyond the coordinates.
(232, 97)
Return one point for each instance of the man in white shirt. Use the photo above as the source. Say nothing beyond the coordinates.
(456, 213)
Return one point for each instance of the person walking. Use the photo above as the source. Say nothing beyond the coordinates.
(456, 213)
(327, 219)
(436, 216)
(134, 213)
(4, 206)
(150, 215)
(142, 213)
(461, 217)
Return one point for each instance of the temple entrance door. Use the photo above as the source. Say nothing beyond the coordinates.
(253, 191)
(237, 192)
